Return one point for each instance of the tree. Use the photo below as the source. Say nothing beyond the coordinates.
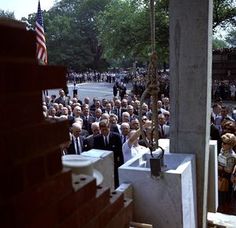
(124, 30)
(71, 34)
(83, 34)
(231, 38)
(219, 44)
(7, 14)
(224, 13)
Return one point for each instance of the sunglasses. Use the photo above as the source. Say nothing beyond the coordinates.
(225, 143)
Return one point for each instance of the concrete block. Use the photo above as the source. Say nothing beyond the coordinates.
(103, 161)
(153, 196)
(212, 196)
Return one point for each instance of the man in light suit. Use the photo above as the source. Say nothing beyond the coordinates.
(107, 140)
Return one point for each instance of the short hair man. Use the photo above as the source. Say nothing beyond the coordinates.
(107, 140)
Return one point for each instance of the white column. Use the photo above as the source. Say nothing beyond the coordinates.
(190, 87)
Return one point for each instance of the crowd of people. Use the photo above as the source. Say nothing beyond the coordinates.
(114, 125)
(116, 120)
(224, 89)
(93, 76)
(223, 129)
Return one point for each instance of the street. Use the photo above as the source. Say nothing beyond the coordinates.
(89, 89)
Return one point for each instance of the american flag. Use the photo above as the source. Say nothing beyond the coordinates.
(41, 52)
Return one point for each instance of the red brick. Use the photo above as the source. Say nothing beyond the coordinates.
(52, 212)
(22, 47)
(45, 217)
(7, 220)
(38, 197)
(22, 78)
(108, 213)
(35, 170)
(33, 140)
(86, 191)
(88, 210)
(51, 77)
(27, 77)
(12, 179)
(7, 158)
(116, 204)
(53, 162)
(123, 218)
(27, 112)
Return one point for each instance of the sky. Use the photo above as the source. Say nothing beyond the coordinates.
(22, 8)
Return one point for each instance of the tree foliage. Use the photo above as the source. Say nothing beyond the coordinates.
(219, 44)
(71, 34)
(224, 13)
(7, 14)
(231, 38)
(124, 29)
(86, 34)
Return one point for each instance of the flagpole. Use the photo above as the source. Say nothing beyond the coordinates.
(41, 49)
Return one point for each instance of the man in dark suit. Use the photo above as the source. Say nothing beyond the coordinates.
(118, 110)
(89, 141)
(114, 126)
(107, 140)
(130, 110)
(215, 134)
(62, 99)
(87, 119)
(76, 146)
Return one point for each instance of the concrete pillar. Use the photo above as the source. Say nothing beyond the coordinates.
(190, 87)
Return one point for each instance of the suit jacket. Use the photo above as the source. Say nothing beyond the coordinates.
(87, 123)
(114, 145)
(89, 143)
(62, 100)
(115, 128)
(166, 131)
(71, 149)
(133, 117)
(215, 135)
(119, 113)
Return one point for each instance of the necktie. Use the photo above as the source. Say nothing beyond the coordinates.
(77, 146)
(124, 139)
(162, 131)
(118, 113)
(106, 141)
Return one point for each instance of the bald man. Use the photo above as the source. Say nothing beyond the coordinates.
(77, 142)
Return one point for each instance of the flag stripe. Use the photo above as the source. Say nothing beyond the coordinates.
(41, 51)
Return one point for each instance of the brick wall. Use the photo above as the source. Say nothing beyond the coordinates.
(224, 64)
(35, 190)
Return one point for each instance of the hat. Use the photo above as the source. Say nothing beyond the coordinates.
(81, 165)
